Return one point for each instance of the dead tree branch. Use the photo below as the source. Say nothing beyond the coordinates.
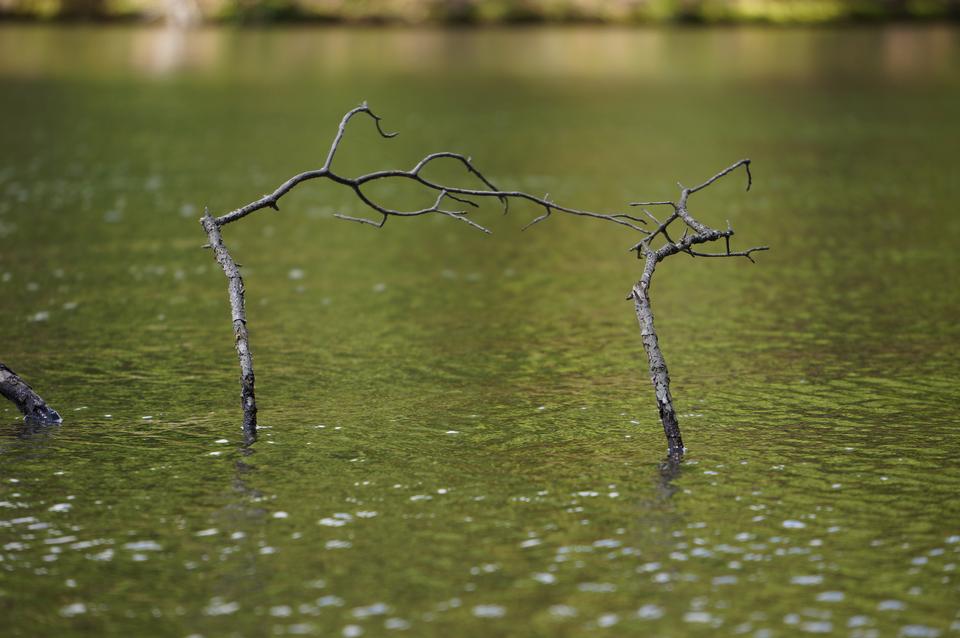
(695, 232)
(27, 401)
(444, 194)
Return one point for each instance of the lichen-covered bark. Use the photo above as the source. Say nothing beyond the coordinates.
(659, 375)
(241, 337)
(27, 401)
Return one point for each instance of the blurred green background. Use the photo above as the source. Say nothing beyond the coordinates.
(486, 11)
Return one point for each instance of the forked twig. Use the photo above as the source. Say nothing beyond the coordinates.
(695, 232)
(213, 225)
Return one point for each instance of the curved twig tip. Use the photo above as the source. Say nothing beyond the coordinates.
(376, 121)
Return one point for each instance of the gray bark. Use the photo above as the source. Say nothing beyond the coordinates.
(444, 193)
(695, 233)
(27, 401)
(239, 315)
(659, 375)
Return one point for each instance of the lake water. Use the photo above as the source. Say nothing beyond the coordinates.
(459, 435)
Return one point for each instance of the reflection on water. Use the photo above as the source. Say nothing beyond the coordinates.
(457, 432)
(757, 54)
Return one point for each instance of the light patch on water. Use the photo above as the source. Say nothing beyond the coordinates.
(725, 580)
(352, 631)
(143, 546)
(301, 629)
(489, 611)
(376, 609)
(105, 555)
(60, 507)
(831, 596)
(698, 617)
(813, 579)
(608, 620)
(817, 626)
(563, 611)
(220, 607)
(396, 624)
(791, 524)
(891, 605)
(59, 540)
(330, 601)
(213, 531)
(597, 588)
(650, 612)
(338, 544)
(73, 609)
(545, 578)
(607, 543)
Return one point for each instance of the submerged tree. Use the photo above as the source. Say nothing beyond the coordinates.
(695, 232)
(212, 226)
(29, 403)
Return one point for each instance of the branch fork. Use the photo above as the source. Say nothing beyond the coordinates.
(695, 233)
(213, 225)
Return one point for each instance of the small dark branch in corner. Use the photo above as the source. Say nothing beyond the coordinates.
(694, 232)
(33, 408)
(213, 226)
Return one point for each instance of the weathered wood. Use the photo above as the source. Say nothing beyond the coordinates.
(241, 336)
(701, 233)
(27, 401)
(212, 226)
(659, 375)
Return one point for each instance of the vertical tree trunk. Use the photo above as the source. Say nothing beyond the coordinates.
(658, 366)
(27, 401)
(238, 311)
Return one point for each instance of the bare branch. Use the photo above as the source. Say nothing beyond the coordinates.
(726, 171)
(212, 226)
(695, 232)
(653, 204)
(538, 219)
(362, 220)
(743, 253)
(34, 409)
(363, 108)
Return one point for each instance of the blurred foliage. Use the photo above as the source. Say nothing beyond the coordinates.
(488, 11)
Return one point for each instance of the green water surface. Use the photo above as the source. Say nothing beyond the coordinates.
(459, 437)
